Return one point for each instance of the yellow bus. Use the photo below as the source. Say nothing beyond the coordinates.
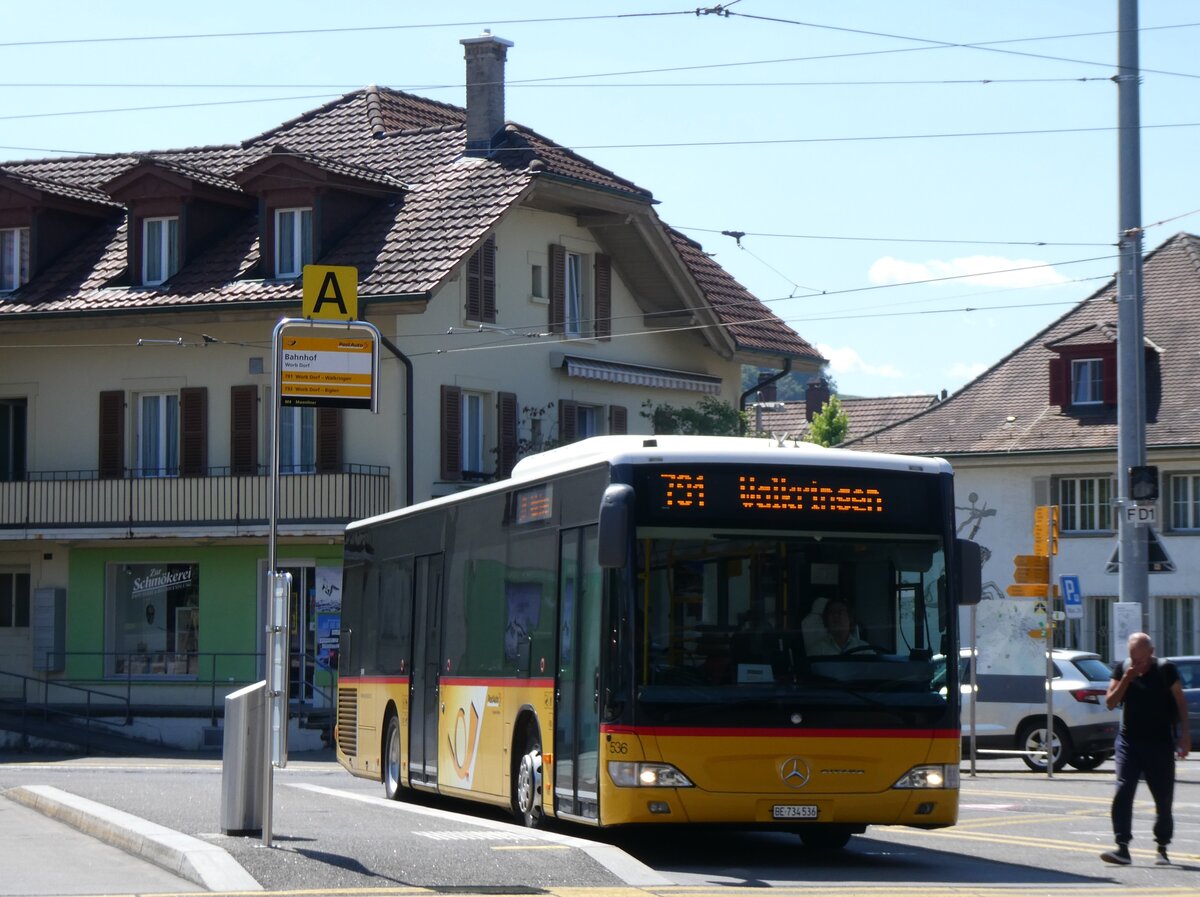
(632, 630)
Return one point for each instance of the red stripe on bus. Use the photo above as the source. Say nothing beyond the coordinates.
(742, 732)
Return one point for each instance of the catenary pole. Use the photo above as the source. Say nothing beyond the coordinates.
(1131, 362)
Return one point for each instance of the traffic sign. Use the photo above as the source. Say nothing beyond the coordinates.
(1072, 597)
(1028, 590)
(330, 292)
(1031, 568)
(1045, 530)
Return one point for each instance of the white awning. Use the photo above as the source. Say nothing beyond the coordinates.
(639, 375)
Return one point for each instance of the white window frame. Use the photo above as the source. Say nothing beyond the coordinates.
(293, 231)
(587, 421)
(1178, 626)
(577, 295)
(160, 249)
(1184, 502)
(1085, 504)
(14, 258)
(297, 439)
(1087, 381)
(158, 434)
(474, 431)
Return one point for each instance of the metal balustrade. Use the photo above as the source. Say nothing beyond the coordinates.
(45, 501)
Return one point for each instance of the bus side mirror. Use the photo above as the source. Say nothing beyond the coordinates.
(616, 508)
(970, 572)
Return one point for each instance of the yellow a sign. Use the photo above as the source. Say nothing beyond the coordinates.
(330, 292)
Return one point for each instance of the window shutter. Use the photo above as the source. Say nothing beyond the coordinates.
(603, 297)
(487, 277)
(112, 434)
(506, 417)
(558, 287)
(243, 430)
(481, 283)
(1109, 372)
(568, 429)
(1060, 381)
(193, 431)
(618, 420)
(329, 440)
(451, 433)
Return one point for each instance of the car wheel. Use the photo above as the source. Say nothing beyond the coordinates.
(1032, 737)
(527, 783)
(1087, 762)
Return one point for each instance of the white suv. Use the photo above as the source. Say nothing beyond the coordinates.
(1010, 712)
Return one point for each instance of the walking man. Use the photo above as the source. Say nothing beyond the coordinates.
(1152, 697)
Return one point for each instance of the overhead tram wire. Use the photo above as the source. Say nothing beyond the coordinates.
(705, 230)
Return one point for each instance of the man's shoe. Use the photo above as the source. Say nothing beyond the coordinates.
(1120, 856)
(1162, 859)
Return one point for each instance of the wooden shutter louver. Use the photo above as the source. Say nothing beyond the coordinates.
(481, 283)
(451, 466)
(558, 287)
(329, 440)
(243, 430)
(112, 434)
(506, 427)
(603, 297)
(568, 421)
(618, 420)
(193, 431)
(1060, 381)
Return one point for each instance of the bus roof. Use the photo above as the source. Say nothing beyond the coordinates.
(711, 449)
(614, 450)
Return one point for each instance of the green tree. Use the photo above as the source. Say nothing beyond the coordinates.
(829, 425)
(709, 417)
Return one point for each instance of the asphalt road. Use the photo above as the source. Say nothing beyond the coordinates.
(1019, 832)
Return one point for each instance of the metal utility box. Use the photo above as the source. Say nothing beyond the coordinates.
(243, 760)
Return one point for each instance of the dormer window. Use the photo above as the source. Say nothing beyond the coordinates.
(160, 249)
(1087, 381)
(14, 258)
(293, 241)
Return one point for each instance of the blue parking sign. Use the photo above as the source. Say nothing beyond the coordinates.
(1072, 596)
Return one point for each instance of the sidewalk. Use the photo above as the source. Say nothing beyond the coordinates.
(44, 856)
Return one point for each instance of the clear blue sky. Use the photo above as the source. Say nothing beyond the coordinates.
(858, 145)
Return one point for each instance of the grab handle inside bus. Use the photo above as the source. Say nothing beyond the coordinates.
(616, 508)
(970, 572)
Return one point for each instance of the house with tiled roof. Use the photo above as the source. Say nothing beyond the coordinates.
(790, 420)
(1039, 428)
(524, 296)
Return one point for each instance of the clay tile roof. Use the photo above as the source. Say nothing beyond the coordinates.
(865, 414)
(753, 326)
(59, 188)
(1007, 408)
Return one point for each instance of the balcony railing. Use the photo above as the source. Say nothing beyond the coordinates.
(74, 499)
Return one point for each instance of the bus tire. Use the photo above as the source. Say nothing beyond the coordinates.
(527, 782)
(390, 767)
(826, 837)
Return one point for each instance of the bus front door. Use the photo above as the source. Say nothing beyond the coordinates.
(577, 715)
(426, 666)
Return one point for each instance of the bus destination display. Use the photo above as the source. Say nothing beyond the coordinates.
(825, 497)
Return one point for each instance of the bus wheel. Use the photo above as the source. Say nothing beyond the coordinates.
(527, 783)
(826, 837)
(391, 759)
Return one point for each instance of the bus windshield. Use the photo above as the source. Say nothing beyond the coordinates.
(724, 617)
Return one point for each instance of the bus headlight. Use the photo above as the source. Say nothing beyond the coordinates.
(646, 775)
(929, 777)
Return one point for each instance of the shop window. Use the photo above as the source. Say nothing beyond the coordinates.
(153, 619)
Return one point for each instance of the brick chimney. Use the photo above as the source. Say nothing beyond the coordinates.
(485, 57)
(816, 394)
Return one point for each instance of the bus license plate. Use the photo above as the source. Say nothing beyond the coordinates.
(794, 811)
